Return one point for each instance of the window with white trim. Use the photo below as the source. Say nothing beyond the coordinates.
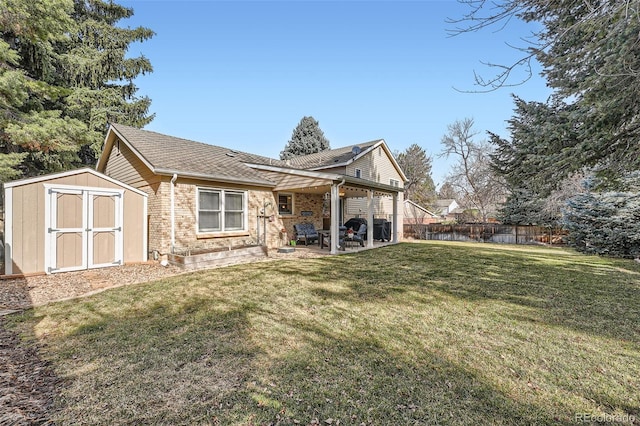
(358, 173)
(394, 182)
(221, 210)
(285, 204)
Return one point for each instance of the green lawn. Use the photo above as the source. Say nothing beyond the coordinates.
(417, 333)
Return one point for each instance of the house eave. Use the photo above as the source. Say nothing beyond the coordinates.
(298, 172)
(333, 177)
(370, 184)
(213, 178)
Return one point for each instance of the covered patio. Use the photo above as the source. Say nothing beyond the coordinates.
(333, 198)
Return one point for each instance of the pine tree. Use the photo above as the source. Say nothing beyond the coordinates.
(590, 58)
(63, 76)
(416, 165)
(307, 138)
(606, 222)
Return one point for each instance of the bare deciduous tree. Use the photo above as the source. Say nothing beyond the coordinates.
(471, 176)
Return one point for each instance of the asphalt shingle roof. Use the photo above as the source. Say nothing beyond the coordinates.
(330, 157)
(168, 153)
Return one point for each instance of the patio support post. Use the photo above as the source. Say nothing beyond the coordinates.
(335, 205)
(370, 218)
(395, 218)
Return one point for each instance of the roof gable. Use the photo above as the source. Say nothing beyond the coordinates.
(50, 176)
(344, 156)
(167, 155)
(412, 205)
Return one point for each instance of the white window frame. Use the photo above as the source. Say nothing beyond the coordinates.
(358, 173)
(286, 194)
(222, 193)
(394, 183)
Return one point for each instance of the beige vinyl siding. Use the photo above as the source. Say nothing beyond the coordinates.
(334, 170)
(359, 207)
(126, 167)
(375, 166)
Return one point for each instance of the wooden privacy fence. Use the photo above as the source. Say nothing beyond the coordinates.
(490, 232)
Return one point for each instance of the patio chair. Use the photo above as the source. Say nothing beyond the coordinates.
(305, 232)
(361, 235)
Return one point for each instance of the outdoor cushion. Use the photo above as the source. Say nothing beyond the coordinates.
(306, 232)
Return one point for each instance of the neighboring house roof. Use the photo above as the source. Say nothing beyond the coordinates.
(412, 205)
(446, 206)
(166, 155)
(445, 202)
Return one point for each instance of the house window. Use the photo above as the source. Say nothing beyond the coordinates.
(394, 182)
(358, 173)
(221, 210)
(285, 204)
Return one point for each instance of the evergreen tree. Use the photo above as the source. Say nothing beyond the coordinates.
(307, 138)
(606, 222)
(416, 165)
(591, 59)
(63, 76)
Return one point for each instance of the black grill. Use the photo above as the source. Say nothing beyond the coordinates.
(381, 230)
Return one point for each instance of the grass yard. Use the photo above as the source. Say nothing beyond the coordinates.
(417, 333)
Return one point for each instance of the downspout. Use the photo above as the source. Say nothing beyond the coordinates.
(173, 213)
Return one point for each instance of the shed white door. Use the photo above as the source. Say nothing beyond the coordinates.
(85, 228)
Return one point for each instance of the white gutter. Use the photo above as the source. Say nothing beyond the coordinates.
(173, 213)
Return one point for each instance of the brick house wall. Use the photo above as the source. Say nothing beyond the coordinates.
(185, 205)
(303, 202)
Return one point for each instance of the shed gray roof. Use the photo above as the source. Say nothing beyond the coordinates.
(169, 154)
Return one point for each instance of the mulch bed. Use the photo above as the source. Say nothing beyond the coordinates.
(28, 384)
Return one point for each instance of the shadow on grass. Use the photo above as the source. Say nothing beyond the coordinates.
(233, 347)
(174, 362)
(357, 381)
(587, 294)
(197, 361)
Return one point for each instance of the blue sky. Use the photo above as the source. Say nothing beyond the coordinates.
(243, 73)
